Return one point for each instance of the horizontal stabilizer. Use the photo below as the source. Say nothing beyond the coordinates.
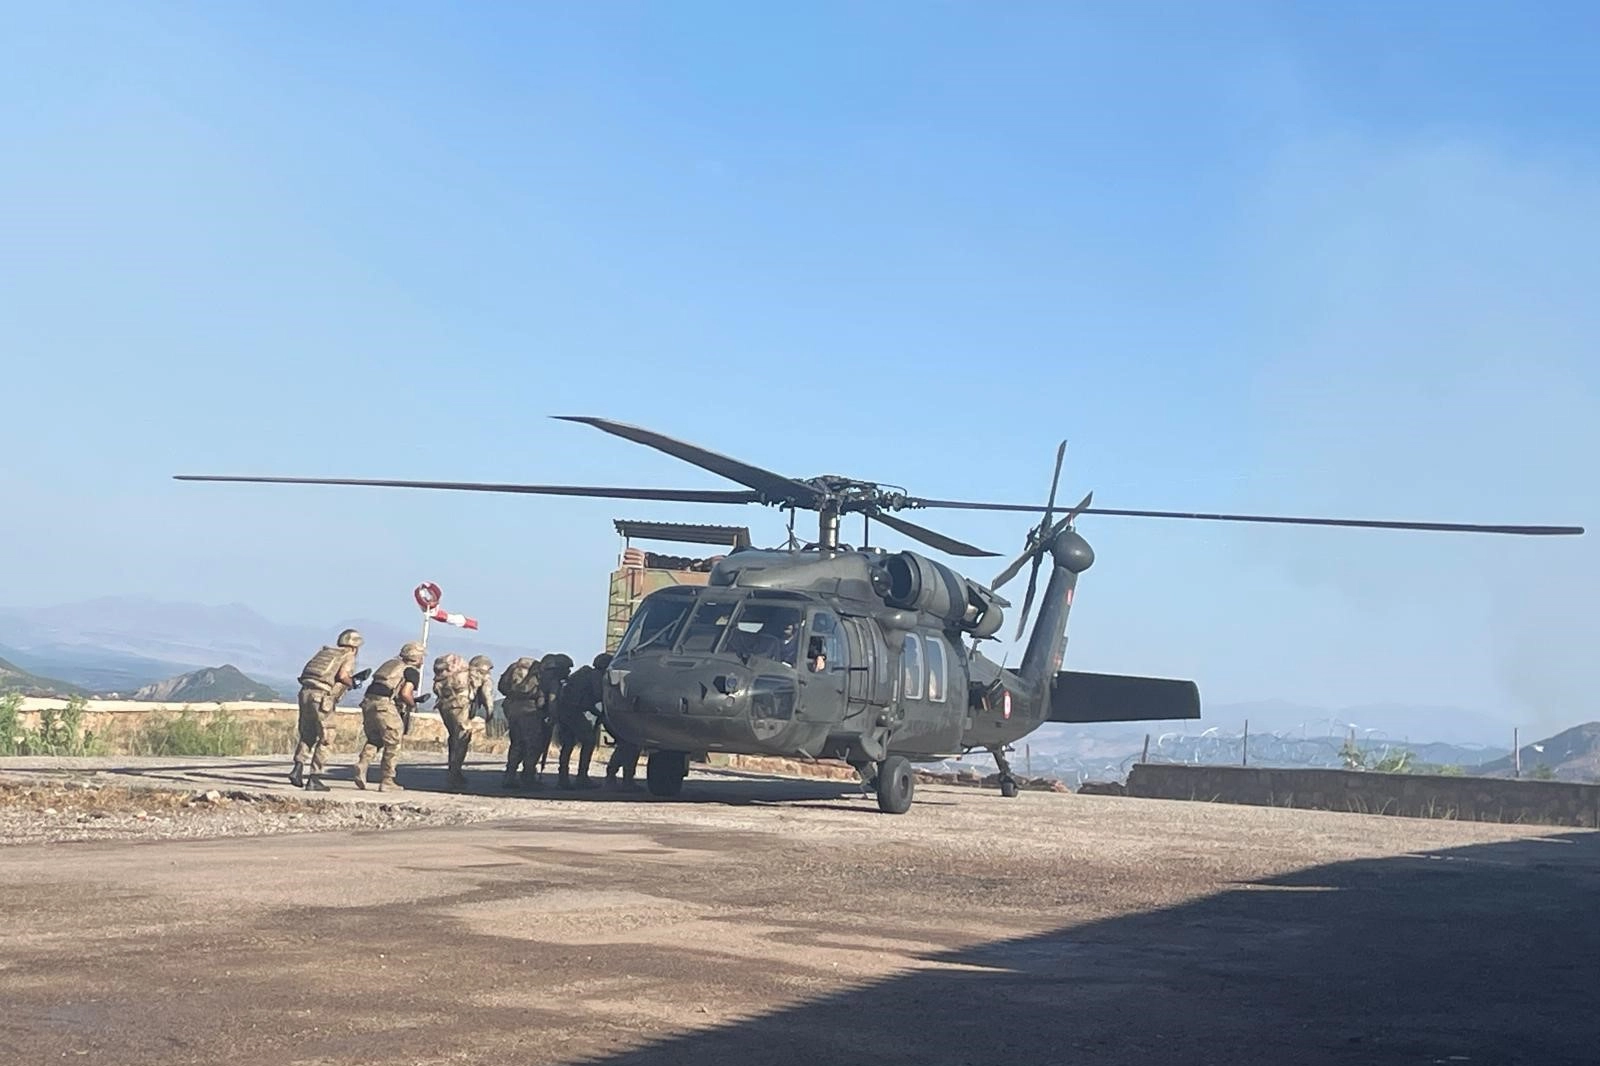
(1079, 697)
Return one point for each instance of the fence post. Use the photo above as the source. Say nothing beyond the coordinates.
(1246, 760)
(1144, 756)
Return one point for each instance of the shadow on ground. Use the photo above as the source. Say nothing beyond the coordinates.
(1487, 954)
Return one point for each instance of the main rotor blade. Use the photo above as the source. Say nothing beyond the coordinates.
(927, 536)
(1363, 523)
(673, 495)
(774, 487)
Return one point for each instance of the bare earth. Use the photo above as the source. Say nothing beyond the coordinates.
(761, 920)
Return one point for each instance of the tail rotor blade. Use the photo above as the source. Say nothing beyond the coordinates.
(1027, 603)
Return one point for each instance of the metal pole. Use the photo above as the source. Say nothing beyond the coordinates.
(1246, 754)
(1027, 758)
(1516, 749)
(1144, 756)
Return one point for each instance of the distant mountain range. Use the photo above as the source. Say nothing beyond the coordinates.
(122, 644)
(14, 678)
(219, 685)
(1571, 755)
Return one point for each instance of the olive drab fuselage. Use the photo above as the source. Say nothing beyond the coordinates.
(848, 654)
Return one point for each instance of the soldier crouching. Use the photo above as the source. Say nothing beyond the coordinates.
(392, 692)
(577, 719)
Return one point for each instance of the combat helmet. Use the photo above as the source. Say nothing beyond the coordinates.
(602, 661)
(350, 638)
(481, 663)
(411, 651)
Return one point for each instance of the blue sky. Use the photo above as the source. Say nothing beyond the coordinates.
(1297, 259)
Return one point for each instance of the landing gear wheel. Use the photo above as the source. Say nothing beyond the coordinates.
(1008, 788)
(896, 785)
(665, 771)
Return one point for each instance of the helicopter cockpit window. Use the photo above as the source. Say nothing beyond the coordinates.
(655, 625)
(769, 630)
(827, 640)
(706, 626)
(936, 676)
(911, 668)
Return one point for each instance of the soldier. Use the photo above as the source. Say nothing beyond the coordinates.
(554, 669)
(480, 669)
(323, 683)
(453, 692)
(390, 699)
(520, 686)
(624, 757)
(577, 718)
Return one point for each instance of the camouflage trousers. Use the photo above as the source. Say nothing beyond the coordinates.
(315, 727)
(380, 721)
(525, 726)
(457, 725)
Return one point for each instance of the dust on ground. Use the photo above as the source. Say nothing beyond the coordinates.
(761, 920)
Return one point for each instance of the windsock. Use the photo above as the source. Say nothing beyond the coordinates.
(439, 614)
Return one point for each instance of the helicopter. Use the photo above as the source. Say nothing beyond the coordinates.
(822, 650)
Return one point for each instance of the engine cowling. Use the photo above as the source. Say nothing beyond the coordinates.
(911, 582)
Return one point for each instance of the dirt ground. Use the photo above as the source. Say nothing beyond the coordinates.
(763, 920)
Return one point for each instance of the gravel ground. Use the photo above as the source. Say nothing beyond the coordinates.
(764, 921)
(83, 809)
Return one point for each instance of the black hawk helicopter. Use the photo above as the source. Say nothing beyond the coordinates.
(824, 651)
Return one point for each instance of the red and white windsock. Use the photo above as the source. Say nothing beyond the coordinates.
(439, 614)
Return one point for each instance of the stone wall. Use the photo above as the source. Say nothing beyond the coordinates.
(271, 726)
(1476, 799)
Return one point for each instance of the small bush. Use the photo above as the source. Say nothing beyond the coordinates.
(222, 734)
(11, 732)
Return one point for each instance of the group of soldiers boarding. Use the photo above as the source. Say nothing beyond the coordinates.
(544, 699)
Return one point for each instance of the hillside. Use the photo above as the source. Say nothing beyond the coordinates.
(123, 643)
(211, 685)
(15, 679)
(1573, 755)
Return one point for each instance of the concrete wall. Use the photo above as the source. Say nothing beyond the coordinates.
(1476, 799)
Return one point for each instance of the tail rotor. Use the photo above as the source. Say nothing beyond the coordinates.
(1039, 540)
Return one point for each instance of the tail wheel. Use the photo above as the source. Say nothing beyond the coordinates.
(665, 771)
(896, 785)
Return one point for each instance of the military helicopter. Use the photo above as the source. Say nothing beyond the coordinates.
(825, 651)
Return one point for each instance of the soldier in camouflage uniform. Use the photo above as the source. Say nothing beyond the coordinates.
(480, 686)
(577, 720)
(323, 683)
(554, 669)
(391, 693)
(452, 691)
(519, 684)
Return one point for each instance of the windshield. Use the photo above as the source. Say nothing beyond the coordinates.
(769, 630)
(656, 624)
(705, 628)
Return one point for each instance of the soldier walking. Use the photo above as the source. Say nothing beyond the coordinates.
(480, 671)
(391, 695)
(519, 684)
(578, 720)
(554, 669)
(453, 693)
(324, 681)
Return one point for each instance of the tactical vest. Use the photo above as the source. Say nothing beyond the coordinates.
(580, 693)
(323, 667)
(387, 679)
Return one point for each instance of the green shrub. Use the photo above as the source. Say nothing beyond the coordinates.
(187, 734)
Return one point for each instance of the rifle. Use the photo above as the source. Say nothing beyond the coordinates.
(405, 715)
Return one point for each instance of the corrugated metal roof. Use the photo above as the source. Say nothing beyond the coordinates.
(684, 532)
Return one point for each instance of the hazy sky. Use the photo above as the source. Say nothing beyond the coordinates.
(1326, 259)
